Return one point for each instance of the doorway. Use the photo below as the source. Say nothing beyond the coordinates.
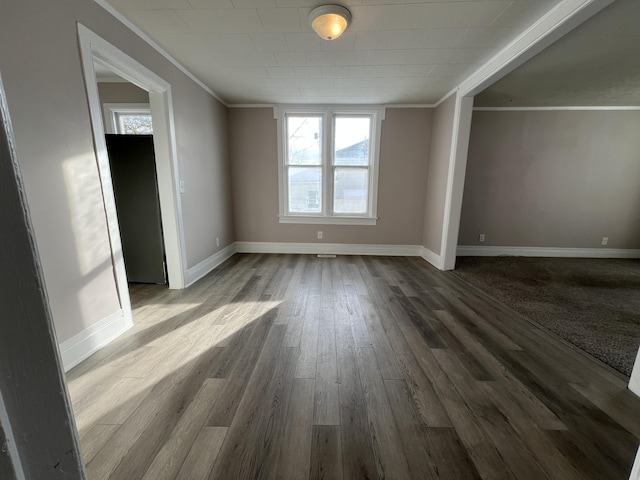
(128, 123)
(96, 51)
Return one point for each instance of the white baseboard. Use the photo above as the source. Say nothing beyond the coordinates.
(328, 248)
(431, 257)
(90, 340)
(198, 271)
(488, 251)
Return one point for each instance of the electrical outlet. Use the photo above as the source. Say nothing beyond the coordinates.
(605, 240)
(481, 238)
(319, 234)
(217, 241)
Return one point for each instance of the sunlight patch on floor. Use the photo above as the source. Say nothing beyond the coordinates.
(128, 378)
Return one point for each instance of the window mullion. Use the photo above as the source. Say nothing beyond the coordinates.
(327, 160)
(287, 187)
(285, 173)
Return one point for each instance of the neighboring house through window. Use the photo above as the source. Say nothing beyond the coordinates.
(128, 118)
(329, 164)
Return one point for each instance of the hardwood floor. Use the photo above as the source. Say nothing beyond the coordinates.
(296, 367)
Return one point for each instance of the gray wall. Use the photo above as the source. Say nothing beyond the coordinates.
(442, 134)
(111, 92)
(553, 179)
(404, 151)
(41, 66)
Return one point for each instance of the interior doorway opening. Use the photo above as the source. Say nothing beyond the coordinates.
(100, 56)
(128, 123)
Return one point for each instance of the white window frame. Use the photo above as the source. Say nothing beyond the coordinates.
(328, 113)
(112, 110)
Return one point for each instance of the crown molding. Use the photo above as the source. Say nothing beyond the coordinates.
(409, 105)
(251, 105)
(557, 108)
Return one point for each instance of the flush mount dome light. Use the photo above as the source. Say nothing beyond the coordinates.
(329, 21)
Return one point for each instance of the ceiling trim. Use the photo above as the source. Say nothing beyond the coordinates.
(556, 23)
(127, 23)
(386, 105)
(570, 108)
(251, 105)
(408, 105)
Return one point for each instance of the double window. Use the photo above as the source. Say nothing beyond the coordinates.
(328, 165)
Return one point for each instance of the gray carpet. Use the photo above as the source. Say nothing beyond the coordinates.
(592, 303)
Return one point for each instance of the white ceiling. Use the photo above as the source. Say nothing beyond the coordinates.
(597, 64)
(395, 51)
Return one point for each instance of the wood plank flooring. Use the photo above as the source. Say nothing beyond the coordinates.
(298, 367)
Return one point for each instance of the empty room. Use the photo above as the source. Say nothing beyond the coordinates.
(292, 239)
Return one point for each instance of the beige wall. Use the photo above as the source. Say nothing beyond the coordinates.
(206, 170)
(111, 92)
(41, 69)
(404, 151)
(553, 179)
(442, 133)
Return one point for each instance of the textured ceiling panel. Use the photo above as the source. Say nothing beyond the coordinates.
(395, 51)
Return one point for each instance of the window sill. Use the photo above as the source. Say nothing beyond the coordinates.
(313, 220)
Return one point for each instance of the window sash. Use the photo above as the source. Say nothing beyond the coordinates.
(111, 112)
(321, 137)
(305, 200)
(121, 126)
(348, 195)
(369, 136)
(321, 191)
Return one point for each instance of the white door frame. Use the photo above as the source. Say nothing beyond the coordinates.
(94, 48)
(559, 21)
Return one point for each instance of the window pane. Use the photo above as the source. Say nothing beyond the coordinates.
(352, 140)
(350, 190)
(304, 140)
(134, 124)
(305, 189)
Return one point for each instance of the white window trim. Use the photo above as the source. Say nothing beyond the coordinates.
(110, 110)
(327, 112)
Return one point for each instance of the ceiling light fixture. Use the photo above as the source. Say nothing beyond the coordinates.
(329, 21)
